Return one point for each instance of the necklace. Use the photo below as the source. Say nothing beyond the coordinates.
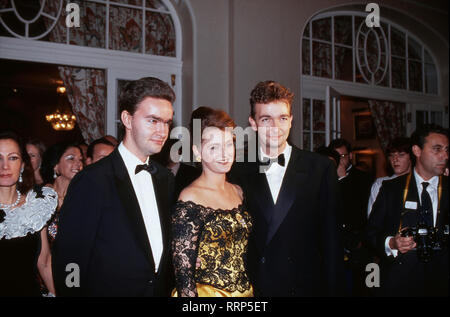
(10, 206)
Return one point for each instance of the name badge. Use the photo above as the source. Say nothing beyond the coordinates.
(411, 205)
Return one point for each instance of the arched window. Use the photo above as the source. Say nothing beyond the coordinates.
(341, 55)
(139, 26)
(342, 47)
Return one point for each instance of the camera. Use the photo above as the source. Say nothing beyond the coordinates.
(427, 239)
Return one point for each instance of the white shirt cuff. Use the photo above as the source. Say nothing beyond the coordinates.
(387, 249)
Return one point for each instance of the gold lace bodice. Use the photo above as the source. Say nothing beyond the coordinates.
(218, 238)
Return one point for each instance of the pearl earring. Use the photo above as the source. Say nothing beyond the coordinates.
(20, 176)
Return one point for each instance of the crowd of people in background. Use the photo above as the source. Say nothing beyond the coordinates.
(359, 191)
(307, 225)
(39, 177)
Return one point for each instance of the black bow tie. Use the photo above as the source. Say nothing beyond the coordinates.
(151, 168)
(280, 160)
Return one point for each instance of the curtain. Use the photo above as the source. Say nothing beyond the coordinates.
(389, 119)
(86, 91)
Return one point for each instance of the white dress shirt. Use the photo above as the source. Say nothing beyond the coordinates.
(432, 190)
(275, 173)
(145, 193)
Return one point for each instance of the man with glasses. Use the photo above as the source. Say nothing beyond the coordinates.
(354, 186)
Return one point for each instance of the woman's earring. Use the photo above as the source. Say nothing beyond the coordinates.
(20, 176)
(198, 159)
(55, 175)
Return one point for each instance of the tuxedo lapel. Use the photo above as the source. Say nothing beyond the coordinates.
(413, 194)
(130, 203)
(261, 189)
(409, 215)
(259, 199)
(294, 179)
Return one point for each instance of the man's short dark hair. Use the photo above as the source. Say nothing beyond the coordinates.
(136, 91)
(418, 136)
(269, 91)
(337, 143)
(326, 151)
(90, 149)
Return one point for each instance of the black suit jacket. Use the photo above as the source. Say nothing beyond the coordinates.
(295, 248)
(102, 230)
(405, 275)
(355, 191)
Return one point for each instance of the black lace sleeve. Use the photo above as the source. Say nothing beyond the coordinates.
(186, 229)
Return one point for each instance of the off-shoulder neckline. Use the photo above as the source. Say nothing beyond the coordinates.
(211, 208)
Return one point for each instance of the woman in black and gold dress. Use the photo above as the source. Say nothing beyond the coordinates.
(210, 223)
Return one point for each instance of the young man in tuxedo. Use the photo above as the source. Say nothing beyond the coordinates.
(295, 248)
(416, 198)
(114, 223)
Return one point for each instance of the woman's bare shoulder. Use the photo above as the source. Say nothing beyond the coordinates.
(190, 193)
(239, 191)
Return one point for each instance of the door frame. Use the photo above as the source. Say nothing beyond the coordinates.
(332, 114)
(316, 87)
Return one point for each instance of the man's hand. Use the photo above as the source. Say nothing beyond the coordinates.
(402, 244)
(341, 171)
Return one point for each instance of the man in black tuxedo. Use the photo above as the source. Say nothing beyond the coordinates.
(419, 197)
(354, 187)
(115, 220)
(295, 248)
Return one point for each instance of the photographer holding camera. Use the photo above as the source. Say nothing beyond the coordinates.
(409, 222)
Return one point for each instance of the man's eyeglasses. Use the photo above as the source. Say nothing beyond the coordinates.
(343, 155)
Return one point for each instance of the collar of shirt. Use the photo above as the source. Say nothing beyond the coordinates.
(434, 181)
(431, 189)
(287, 155)
(130, 160)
